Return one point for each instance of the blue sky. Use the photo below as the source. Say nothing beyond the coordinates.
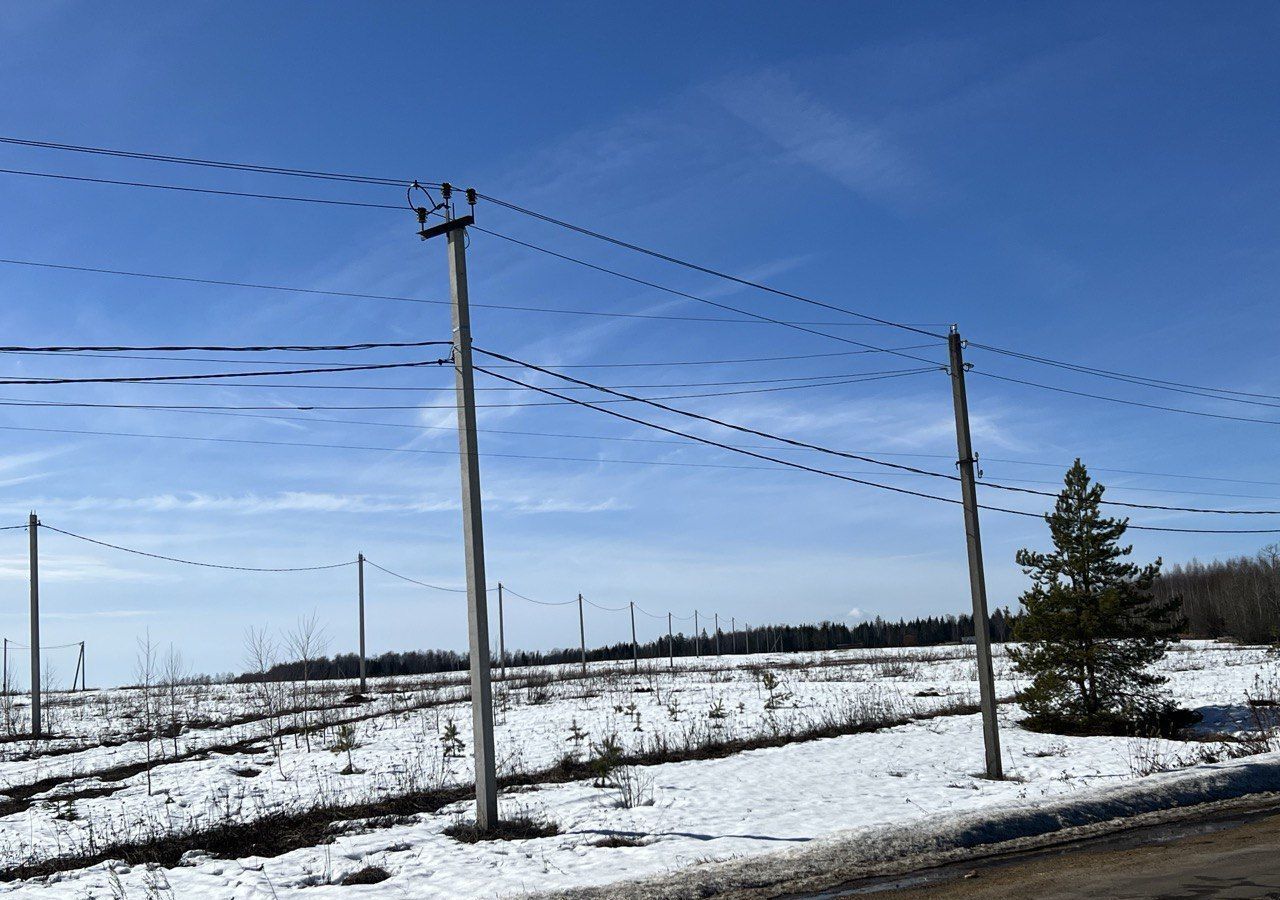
(1090, 182)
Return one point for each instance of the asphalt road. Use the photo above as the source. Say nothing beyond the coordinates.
(1228, 858)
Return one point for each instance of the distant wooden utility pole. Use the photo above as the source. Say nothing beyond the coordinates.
(472, 520)
(977, 578)
(733, 634)
(502, 638)
(697, 636)
(671, 644)
(635, 648)
(717, 615)
(33, 525)
(582, 635)
(83, 683)
(360, 590)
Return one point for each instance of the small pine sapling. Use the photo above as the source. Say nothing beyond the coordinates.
(344, 742)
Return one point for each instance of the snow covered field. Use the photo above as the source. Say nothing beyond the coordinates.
(742, 755)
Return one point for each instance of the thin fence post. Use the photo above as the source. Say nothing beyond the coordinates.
(635, 648)
(33, 525)
(671, 644)
(502, 638)
(582, 635)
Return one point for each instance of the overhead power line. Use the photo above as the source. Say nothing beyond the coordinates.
(221, 348)
(190, 562)
(859, 457)
(538, 602)
(1157, 406)
(211, 163)
(153, 379)
(380, 181)
(275, 170)
(320, 420)
(1178, 386)
(705, 270)
(186, 381)
(715, 303)
(434, 587)
(357, 295)
(188, 189)
(843, 477)
(124, 354)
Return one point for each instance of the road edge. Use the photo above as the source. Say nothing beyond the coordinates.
(948, 839)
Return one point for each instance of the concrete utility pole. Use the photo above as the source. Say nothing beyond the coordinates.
(33, 525)
(582, 635)
(472, 522)
(6, 667)
(671, 644)
(84, 685)
(502, 638)
(635, 648)
(977, 578)
(360, 584)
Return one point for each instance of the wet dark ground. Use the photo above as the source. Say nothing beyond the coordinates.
(1232, 857)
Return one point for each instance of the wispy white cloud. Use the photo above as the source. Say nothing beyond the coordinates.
(321, 502)
(858, 153)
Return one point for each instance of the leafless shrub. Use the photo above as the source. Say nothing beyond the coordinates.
(145, 672)
(630, 786)
(306, 642)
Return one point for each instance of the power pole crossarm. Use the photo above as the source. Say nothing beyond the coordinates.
(977, 578)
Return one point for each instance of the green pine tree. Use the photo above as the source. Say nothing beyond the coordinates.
(1092, 628)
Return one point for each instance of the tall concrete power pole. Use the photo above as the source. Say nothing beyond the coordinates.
(472, 523)
(33, 527)
(977, 578)
(360, 591)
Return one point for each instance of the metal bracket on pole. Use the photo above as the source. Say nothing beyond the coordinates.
(446, 227)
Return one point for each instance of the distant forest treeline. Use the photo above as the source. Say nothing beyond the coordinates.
(774, 638)
(1237, 598)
